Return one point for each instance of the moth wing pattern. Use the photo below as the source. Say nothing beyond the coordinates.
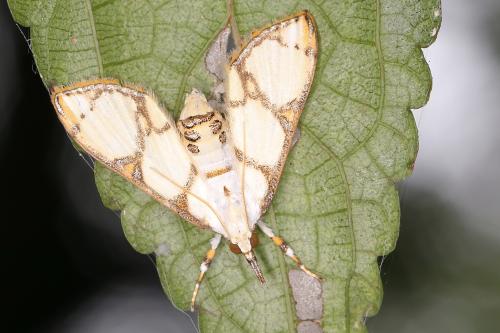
(126, 129)
(267, 85)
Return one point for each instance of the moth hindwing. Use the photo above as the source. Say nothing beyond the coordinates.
(217, 170)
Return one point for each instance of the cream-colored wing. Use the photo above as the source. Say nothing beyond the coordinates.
(267, 85)
(125, 128)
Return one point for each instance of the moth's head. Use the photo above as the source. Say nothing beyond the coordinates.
(245, 247)
(202, 128)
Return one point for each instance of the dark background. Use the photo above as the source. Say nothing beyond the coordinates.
(66, 266)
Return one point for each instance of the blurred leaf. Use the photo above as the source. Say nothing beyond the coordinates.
(336, 204)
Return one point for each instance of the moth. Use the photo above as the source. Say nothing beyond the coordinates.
(217, 169)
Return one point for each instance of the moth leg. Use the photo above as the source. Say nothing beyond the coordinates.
(285, 248)
(209, 257)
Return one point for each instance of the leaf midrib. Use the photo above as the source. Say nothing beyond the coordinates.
(90, 12)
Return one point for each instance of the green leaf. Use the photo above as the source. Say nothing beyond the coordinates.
(336, 204)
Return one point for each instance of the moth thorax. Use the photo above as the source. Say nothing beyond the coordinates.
(203, 130)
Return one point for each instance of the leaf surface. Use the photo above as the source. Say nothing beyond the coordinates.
(336, 204)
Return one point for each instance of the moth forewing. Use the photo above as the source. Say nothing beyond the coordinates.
(267, 85)
(125, 128)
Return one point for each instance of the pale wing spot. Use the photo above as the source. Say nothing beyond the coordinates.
(69, 109)
(234, 86)
(109, 126)
(201, 209)
(163, 157)
(279, 71)
(264, 135)
(296, 34)
(76, 103)
(255, 191)
(158, 118)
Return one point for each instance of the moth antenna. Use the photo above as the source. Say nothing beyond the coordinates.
(252, 261)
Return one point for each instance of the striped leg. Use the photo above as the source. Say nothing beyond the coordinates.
(285, 248)
(214, 243)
